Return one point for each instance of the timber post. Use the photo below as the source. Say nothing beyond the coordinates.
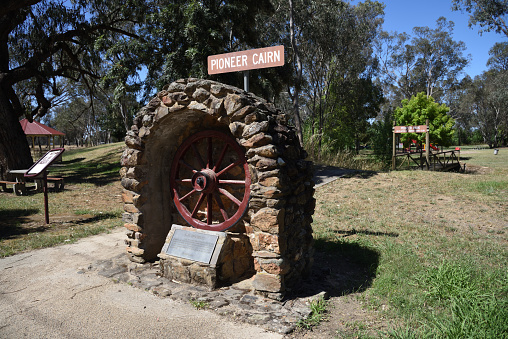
(427, 143)
(394, 159)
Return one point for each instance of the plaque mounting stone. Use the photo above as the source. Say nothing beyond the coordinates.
(194, 244)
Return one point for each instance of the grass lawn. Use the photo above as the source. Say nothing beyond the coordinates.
(440, 246)
(428, 250)
(90, 203)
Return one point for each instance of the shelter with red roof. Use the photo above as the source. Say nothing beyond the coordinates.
(36, 129)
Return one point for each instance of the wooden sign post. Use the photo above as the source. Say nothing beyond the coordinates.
(38, 170)
(411, 129)
(245, 61)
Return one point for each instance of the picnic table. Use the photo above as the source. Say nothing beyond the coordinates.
(19, 184)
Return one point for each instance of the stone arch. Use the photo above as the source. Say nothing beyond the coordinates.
(280, 210)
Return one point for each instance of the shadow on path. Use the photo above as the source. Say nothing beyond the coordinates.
(326, 174)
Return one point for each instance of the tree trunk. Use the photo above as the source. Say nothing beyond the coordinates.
(296, 97)
(14, 149)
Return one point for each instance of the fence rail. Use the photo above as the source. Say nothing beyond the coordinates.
(439, 161)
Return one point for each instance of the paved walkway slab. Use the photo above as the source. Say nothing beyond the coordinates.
(49, 293)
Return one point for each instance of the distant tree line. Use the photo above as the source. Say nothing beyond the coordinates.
(86, 67)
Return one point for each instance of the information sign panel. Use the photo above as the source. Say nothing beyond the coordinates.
(246, 60)
(190, 245)
(41, 165)
(410, 129)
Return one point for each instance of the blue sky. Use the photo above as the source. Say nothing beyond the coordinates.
(403, 15)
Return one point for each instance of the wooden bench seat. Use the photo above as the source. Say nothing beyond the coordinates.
(58, 182)
(18, 187)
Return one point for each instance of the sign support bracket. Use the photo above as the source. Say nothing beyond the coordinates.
(246, 81)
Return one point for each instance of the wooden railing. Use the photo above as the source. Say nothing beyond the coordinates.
(439, 161)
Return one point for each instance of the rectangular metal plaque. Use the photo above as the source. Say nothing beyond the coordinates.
(246, 60)
(192, 245)
(41, 165)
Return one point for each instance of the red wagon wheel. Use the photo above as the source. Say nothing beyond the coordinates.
(210, 181)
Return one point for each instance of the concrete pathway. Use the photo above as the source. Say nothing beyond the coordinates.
(326, 174)
(48, 293)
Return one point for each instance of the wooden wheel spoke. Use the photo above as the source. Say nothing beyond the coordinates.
(187, 195)
(198, 156)
(221, 157)
(209, 209)
(232, 182)
(188, 166)
(201, 197)
(230, 196)
(196, 208)
(230, 166)
(210, 154)
(221, 206)
(184, 180)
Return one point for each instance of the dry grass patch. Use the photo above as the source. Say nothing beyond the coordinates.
(442, 246)
(89, 204)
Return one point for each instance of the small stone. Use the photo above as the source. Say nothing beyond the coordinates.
(265, 164)
(232, 103)
(201, 94)
(130, 208)
(255, 128)
(259, 139)
(236, 128)
(267, 282)
(161, 291)
(218, 303)
(197, 106)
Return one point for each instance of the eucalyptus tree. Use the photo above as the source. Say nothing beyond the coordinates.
(328, 40)
(498, 56)
(491, 15)
(429, 61)
(42, 42)
(87, 40)
(350, 97)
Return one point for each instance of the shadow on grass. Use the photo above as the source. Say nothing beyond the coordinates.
(98, 217)
(99, 175)
(353, 232)
(98, 172)
(16, 224)
(12, 220)
(340, 268)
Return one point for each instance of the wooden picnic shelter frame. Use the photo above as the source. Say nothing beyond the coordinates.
(36, 129)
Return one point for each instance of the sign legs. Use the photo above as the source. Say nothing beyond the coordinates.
(246, 81)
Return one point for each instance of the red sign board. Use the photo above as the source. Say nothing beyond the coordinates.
(410, 129)
(246, 60)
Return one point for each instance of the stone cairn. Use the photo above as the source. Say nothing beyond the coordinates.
(277, 223)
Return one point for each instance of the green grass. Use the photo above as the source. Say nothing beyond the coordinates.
(89, 205)
(318, 313)
(437, 243)
(199, 304)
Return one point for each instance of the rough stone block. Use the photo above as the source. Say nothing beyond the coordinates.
(267, 282)
(268, 220)
(255, 128)
(259, 139)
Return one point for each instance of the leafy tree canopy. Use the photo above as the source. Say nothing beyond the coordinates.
(491, 15)
(499, 56)
(420, 108)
